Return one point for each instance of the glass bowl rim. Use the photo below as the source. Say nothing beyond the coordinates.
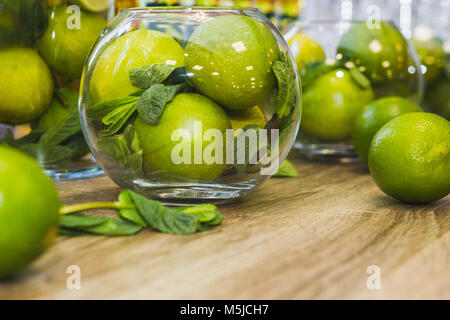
(180, 9)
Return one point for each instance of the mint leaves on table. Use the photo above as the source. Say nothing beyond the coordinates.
(82, 224)
(136, 212)
(149, 102)
(286, 170)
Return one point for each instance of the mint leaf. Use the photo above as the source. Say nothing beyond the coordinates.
(119, 149)
(146, 76)
(62, 131)
(80, 222)
(286, 169)
(161, 218)
(360, 79)
(286, 96)
(32, 137)
(48, 155)
(315, 70)
(101, 109)
(116, 119)
(130, 214)
(204, 212)
(151, 104)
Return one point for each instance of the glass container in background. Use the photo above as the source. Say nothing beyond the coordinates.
(187, 105)
(344, 65)
(281, 12)
(43, 48)
(431, 38)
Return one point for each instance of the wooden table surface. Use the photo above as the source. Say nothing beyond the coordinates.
(309, 237)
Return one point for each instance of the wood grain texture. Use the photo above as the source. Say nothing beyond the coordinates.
(310, 237)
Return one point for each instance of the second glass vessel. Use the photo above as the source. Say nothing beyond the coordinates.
(344, 65)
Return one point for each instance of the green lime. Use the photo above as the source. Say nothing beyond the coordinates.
(230, 58)
(185, 113)
(375, 115)
(305, 50)
(409, 157)
(91, 5)
(432, 57)
(381, 52)
(138, 48)
(29, 207)
(26, 85)
(67, 41)
(438, 98)
(241, 118)
(331, 103)
(58, 112)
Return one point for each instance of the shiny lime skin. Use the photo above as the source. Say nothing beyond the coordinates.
(110, 78)
(409, 157)
(29, 207)
(330, 105)
(26, 85)
(230, 58)
(381, 53)
(375, 115)
(182, 113)
(66, 49)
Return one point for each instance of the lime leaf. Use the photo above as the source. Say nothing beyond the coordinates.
(286, 169)
(146, 76)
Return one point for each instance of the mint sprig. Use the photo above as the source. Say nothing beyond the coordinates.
(136, 212)
(149, 102)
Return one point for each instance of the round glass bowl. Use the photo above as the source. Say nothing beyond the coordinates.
(185, 105)
(43, 48)
(343, 66)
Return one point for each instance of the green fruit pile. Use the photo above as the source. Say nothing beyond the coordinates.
(29, 93)
(146, 88)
